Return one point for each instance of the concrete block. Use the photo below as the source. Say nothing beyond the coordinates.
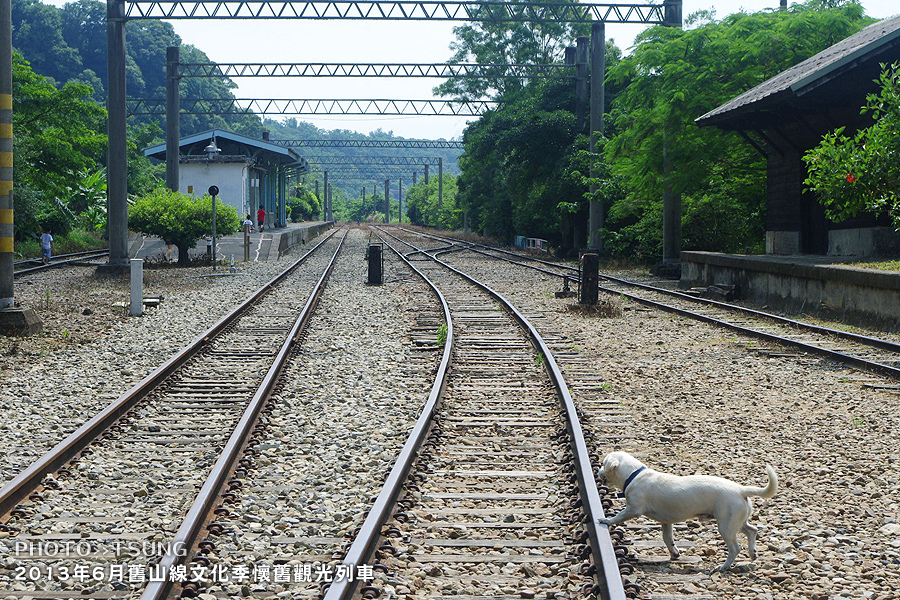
(20, 322)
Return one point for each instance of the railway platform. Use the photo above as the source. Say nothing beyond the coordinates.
(816, 285)
(266, 245)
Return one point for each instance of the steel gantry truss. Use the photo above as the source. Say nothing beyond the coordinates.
(466, 108)
(428, 10)
(374, 160)
(434, 70)
(429, 144)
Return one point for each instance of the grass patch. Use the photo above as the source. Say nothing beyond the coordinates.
(77, 240)
(605, 307)
(884, 265)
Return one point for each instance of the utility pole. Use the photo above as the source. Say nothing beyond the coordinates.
(173, 125)
(13, 321)
(387, 200)
(671, 196)
(117, 160)
(598, 99)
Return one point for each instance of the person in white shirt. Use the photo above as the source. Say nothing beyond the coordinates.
(46, 240)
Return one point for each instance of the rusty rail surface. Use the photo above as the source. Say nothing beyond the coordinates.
(366, 540)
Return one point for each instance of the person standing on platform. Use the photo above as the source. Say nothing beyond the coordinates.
(46, 241)
(261, 218)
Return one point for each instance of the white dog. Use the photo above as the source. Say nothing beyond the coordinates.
(671, 499)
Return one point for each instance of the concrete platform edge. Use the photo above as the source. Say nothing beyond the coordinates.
(807, 284)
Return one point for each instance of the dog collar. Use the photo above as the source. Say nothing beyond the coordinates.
(630, 477)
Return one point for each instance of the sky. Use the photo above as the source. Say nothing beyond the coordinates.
(304, 41)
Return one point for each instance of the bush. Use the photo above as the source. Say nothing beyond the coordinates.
(180, 219)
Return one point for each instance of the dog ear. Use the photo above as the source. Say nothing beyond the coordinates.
(610, 464)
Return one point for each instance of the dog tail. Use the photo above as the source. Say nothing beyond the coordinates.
(763, 492)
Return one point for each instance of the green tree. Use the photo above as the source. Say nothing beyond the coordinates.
(502, 43)
(422, 206)
(862, 172)
(303, 204)
(674, 76)
(180, 219)
(57, 134)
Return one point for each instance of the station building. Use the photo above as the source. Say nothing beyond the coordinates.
(249, 172)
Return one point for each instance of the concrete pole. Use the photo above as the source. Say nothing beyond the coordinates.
(426, 174)
(364, 202)
(400, 200)
(325, 198)
(137, 287)
(581, 82)
(387, 200)
(598, 101)
(117, 161)
(173, 118)
(7, 249)
(671, 197)
(415, 174)
(440, 181)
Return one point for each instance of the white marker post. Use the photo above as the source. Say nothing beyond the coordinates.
(137, 287)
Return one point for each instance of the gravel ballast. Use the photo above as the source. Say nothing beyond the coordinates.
(700, 400)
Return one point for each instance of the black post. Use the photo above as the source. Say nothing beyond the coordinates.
(173, 125)
(590, 278)
(375, 258)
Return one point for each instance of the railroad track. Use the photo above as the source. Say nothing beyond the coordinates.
(593, 387)
(514, 475)
(500, 501)
(100, 514)
(781, 337)
(27, 267)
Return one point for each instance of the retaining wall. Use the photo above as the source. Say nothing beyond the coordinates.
(802, 284)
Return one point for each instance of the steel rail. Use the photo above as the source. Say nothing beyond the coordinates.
(855, 361)
(80, 256)
(19, 488)
(366, 540)
(602, 551)
(38, 259)
(199, 513)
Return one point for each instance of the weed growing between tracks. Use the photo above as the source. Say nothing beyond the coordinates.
(605, 308)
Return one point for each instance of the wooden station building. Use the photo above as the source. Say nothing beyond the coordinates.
(788, 115)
